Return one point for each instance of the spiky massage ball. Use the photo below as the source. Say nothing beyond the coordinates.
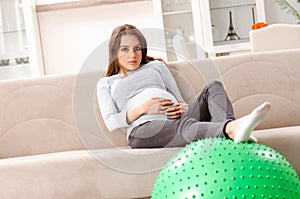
(220, 168)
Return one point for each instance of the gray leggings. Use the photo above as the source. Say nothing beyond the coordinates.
(206, 117)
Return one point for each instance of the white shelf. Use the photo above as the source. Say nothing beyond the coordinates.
(177, 12)
(215, 4)
(52, 5)
(234, 7)
(15, 71)
(242, 40)
(14, 65)
(13, 31)
(232, 47)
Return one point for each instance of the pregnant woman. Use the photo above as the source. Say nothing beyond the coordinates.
(139, 94)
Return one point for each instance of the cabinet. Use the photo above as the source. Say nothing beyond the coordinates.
(204, 25)
(180, 20)
(14, 54)
(20, 49)
(215, 16)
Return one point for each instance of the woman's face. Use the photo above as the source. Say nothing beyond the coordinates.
(129, 54)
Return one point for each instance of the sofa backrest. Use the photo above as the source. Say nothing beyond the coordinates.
(51, 114)
(250, 79)
(60, 112)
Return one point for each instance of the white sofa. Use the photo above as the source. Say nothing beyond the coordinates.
(53, 143)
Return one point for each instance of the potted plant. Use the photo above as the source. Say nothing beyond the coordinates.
(291, 10)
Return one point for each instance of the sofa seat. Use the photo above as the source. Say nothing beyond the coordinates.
(83, 174)
(98, 173)
(284, 140)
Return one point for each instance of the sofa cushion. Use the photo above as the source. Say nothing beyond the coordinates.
(105, 173)
(268, 76)
(284, 140)
(109, 173)
(249, 79)
(38, 115)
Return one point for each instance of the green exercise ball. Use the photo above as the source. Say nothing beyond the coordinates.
(219, 168)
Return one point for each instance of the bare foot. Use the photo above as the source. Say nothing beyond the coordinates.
(240, 130)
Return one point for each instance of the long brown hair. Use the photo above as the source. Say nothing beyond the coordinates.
(114, 44)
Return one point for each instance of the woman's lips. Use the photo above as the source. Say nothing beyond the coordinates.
(132, 62)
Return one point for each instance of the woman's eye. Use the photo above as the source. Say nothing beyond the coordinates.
(137, 48)
(124, 50)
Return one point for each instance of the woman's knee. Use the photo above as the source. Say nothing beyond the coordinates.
(215, 86)
(215, 83)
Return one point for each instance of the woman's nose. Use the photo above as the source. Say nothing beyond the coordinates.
(131, 53)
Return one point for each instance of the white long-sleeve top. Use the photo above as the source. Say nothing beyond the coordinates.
(119, 93)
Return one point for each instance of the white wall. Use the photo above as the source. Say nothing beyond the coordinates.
(69, 36)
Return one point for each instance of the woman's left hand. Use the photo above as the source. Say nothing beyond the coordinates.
(175, 111)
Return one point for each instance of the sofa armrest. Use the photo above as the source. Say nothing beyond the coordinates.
(284, 140)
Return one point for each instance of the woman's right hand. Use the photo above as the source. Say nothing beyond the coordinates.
(156, 105)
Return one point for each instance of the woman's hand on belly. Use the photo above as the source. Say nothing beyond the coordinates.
(152, 106)
(156, 105)
(175, 111)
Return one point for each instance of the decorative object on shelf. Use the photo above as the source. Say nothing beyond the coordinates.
(253, 15)
(180, 45)
(22, 60)
(213, 28)
(25, 60)
(285, 5)
(258, 25)
(19, 60)
(4, 62)
(222, 54)
(169, 35)
(231, 35)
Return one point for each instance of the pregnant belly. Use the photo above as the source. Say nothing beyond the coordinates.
(150, 93)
